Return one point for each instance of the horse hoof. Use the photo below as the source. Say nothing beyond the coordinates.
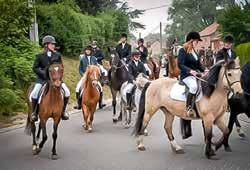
(145, 133)
(85, 126)
(115, 120)
(34, 150)
(54, 157)
(38, 150)
(141, 148)
(228, 149)
(178, 151)
(127, 126)
(210, 154)
(90, 130)
(242, 135)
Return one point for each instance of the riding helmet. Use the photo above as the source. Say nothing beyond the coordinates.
(229, 39)
(193, 36)
(89, 47)
(48, 39)
(141, 40)
(124, 35)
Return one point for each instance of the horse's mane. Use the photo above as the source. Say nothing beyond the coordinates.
(245, 78)
(85, 76)
(212, 79)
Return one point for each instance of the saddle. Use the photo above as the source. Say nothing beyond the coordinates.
(180, 90)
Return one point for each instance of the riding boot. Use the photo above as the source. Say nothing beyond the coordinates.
(129, 101)
(190, 105)
(101, 105)
(65, 115)
(78, 99)
(34, 115)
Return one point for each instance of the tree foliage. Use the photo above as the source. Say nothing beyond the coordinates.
(236, 21)
(16, 55)
(192, 15)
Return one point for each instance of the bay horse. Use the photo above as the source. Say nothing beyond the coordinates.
(118, 74)
(155, 68)
(51, 106)
(91, 95)
(211, 107)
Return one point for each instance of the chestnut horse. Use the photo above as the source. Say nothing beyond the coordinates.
(91, 95)
(155, 67)
(174, 70)
(211, 107)
(51, 106)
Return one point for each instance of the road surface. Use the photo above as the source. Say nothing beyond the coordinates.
(111, 147)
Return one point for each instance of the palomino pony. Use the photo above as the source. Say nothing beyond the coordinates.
(91, 95)
(155, 68)
(118, 74)
(211, 107)
(51, 106)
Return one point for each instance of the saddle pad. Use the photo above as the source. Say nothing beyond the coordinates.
(177, 92)
(43, 90)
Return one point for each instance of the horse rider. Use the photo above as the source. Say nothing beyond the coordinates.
(226, 52)
(135, 67)
(87, 59)
(123, 48)
(41, 68)
(190, 66)
(143, 54)
(97, 52)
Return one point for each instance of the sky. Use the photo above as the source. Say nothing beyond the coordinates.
(150, 18)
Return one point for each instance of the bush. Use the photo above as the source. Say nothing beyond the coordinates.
(74, 30)
(243, 51)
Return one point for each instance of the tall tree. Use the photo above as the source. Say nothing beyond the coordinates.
(192, 15)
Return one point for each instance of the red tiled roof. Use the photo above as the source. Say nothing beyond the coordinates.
(210, 29)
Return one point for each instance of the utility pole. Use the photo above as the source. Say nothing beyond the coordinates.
(139, 34)
(161, 36)
(33, 30)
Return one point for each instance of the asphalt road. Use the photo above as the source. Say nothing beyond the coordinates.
(111, 147)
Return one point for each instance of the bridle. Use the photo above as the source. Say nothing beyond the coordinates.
(230, 84)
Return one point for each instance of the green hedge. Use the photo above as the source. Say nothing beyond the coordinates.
(243, 51)
(74, 30)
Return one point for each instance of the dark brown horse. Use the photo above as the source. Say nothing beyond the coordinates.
(155, 67)
(91, 95)
(51, 106)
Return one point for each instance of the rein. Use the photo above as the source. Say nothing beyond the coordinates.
(230, 84)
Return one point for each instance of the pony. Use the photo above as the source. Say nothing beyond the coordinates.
(51, 106)
(118, 74)
(211, 107)
(173, 69)
(91, 95)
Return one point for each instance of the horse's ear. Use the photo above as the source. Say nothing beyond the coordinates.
(109, 50)
(237, 62)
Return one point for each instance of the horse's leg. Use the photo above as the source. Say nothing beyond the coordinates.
(147, 117)
(114, 93)
(121, 112)
(224, 139)
(45, 137)
(38, 132)
(54, 135)
(208, 124)
(169, 118)
(85, 116)
(90, 118)
(33, 131)
(238, 127)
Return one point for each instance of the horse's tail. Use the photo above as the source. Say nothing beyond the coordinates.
(27, 129)
(139, 121)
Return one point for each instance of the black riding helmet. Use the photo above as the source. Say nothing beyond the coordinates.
(193, 36)
(124, 35)
(229, 39)
(141, 40)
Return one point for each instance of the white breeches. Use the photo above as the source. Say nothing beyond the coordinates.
(147, 68)
(103, 70)
(38, 86)
(192, 84)
(127, 89)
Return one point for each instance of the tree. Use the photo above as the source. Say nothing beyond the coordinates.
(236, 21)
(192, 15)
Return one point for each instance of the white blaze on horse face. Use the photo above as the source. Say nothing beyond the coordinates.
(56, 68)
(112, 55)
(95, 76)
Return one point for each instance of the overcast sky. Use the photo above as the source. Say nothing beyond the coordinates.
(151, 18)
